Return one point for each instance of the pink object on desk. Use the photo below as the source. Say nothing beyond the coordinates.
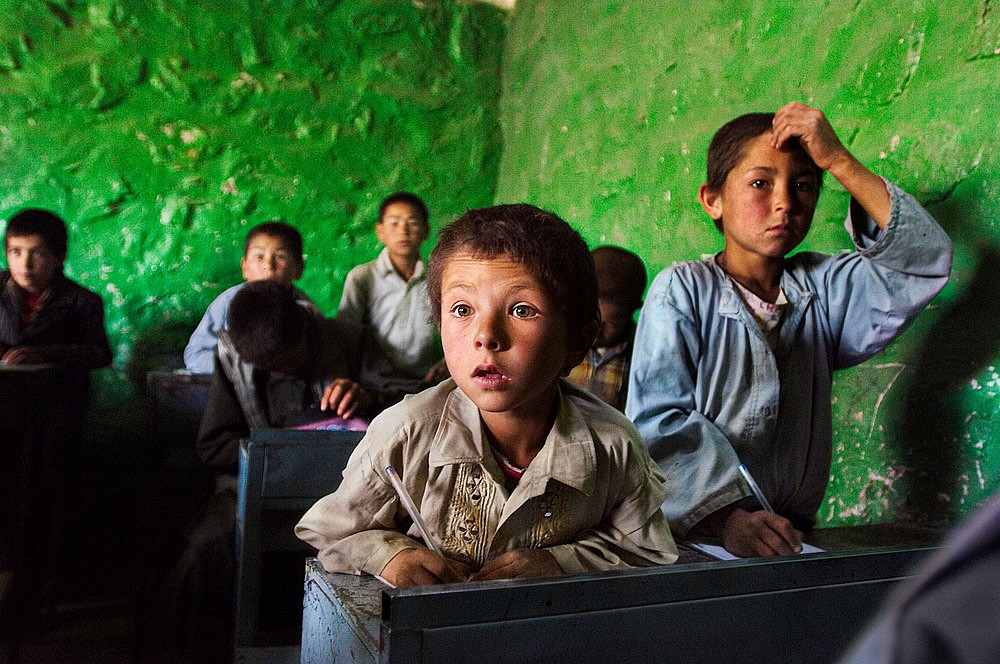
(334, 424)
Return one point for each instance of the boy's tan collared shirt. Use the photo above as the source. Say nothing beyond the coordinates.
(591, 496)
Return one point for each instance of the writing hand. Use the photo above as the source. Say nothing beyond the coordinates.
(761, 533)
(25, 355)
(519, 563)
(423, 567)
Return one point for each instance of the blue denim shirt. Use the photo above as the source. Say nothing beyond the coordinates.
(707, 392)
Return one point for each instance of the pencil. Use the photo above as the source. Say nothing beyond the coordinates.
(411, 509)
(758, 494)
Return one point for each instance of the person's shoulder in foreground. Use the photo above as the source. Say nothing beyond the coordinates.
(515, 472)
(943, 613)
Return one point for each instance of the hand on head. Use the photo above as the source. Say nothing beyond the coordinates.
(813, 131)
(820, 142)
(423, 567)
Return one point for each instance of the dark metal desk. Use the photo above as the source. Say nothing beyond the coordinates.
(33, 447)
(794, 609)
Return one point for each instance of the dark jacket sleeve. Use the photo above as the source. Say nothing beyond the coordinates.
(377, 375)
(222, 425)
(91, 350)
(68, 330)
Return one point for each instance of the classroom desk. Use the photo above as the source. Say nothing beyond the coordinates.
(793, 609)
(32, 463)
(176, 402)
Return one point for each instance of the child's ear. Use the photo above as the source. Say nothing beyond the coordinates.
(711, 201)
(243, 268)
(300, 266)
(580, 342)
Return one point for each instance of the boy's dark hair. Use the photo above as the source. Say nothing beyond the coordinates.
(621, 276)
(729, 143)
(290, 236)
(547, 247)
(404, 197)
(47, 225)
(264, 320)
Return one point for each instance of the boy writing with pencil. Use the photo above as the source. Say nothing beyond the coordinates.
(738, 350)
(516, 472)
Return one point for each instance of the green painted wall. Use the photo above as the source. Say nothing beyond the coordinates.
(607, 111)
(163, 130)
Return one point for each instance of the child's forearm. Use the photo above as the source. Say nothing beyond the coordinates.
(868, 189)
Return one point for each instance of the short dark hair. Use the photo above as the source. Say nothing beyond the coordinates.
(290, 235)
(47, 225)
(729, 143)
(548, 248)
(263, 320)
(408, 198)
(621, 276)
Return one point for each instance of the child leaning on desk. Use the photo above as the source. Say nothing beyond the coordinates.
(516, 472)
(738, 350)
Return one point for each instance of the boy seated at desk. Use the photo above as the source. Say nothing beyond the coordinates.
(621, 280)
(272, 251)
(516, 472)
(46, 318)
(388, 296)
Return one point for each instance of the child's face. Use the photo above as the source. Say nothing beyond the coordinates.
(267, 257)
(33, 266)
(402, 230)
(767, 202)
(505, 341)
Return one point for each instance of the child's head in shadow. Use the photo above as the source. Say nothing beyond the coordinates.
(268, 327)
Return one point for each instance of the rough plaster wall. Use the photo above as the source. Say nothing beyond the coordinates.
(607, 112)
(163, 130)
